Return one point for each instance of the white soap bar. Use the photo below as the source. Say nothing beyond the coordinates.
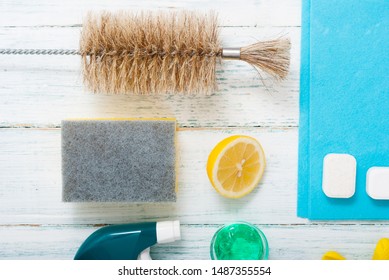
(377, 182)
(339, 172)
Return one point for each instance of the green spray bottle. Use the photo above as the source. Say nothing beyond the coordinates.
(127, 241)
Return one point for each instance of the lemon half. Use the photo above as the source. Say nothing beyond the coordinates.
(236, 165)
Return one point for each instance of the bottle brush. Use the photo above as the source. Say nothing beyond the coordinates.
(162, 52)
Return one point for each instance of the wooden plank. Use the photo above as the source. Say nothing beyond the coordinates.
(355, 242)
(249, 13)
(30, 177)
(40, 91)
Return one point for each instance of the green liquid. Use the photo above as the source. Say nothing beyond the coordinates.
(239, 242)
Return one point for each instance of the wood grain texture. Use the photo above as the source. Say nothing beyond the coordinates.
(37, 92)
(232, 13)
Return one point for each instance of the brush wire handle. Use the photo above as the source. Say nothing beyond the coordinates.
(39, 52)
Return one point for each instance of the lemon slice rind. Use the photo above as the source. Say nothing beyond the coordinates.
(233, 141)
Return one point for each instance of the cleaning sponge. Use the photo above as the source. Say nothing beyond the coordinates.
(119, 160)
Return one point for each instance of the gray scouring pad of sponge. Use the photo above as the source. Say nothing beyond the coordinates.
(131, 160)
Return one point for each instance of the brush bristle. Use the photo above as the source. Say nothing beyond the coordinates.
(150, 52)
(272, 57)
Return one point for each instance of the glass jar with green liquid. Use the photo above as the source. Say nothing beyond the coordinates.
(239, 241)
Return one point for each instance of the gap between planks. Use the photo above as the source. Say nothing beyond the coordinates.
(312, 224)
(183, 128)
(79, 25)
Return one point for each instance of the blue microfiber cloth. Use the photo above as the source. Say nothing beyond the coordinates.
(344, 102)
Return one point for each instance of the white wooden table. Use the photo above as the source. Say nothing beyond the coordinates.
(37, 92)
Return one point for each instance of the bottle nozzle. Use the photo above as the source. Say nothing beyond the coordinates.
(168, 231)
